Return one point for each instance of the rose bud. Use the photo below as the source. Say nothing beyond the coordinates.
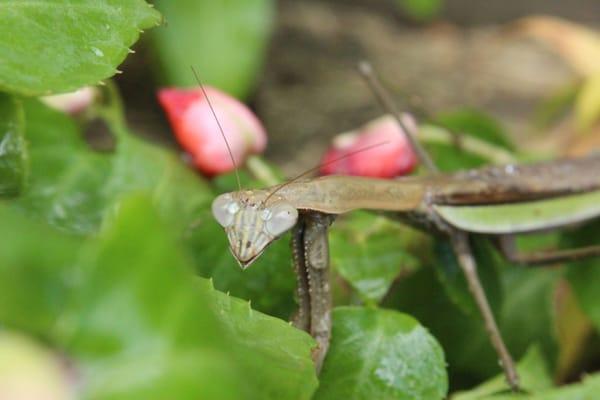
(72, 102)
(387, 150)
(198, 133)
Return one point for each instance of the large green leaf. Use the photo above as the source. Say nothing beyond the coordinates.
(224, 40)
(61, 45)
(13, 151)
(125, 308)
(369, 252)
(381, 354)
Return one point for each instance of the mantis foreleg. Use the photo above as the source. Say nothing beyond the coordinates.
(301, 319)
(460, 243)
(316, 260)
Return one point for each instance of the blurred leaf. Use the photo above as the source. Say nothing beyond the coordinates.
(586, 390)
(80, 43)
(73, 187)
(125, 308)
(13, 149)
(470, 123)
(453, 279)
(557, 104)
(573, 331)
(475, 123)
(528, 314)
(421, 10)
(584, 275)
(381, 354)
(225, 41)
(577, 44)
(587, 104)
(533, 373)
(367, 251)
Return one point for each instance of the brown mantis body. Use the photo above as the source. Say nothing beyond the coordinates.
(253, 219)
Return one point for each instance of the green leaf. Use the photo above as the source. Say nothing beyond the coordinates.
(273, 354)
(525, 316)
(381, 354)
(584, 275)
(13, 150)
(61, 45)
(127, 311)
(555, 106)
(368, 251)
(587, 103)
(471, 123)
(421, 10)
(586, 390)
(74, 187)
(453, 279)
(533, 373)
(225, 41)
(475, 123)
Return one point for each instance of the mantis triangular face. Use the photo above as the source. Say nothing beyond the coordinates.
(251, 223)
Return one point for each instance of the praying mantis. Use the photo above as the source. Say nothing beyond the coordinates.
(532, 198)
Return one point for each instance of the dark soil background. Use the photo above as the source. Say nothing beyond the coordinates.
(310, 91)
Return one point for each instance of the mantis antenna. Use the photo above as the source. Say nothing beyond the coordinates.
(366, 70)
(235, 167)
(348, 155)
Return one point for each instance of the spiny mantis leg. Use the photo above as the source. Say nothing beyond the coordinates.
(508, 248)
(301, 319)
(460, 243)
(316, 257)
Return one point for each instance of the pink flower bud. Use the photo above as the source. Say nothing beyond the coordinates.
(393, 157)
(198, 133)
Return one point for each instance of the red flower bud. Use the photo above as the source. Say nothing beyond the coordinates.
(393, 157)
(198, 133)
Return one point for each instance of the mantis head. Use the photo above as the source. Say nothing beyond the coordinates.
(252, 220)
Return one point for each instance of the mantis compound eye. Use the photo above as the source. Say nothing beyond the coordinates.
(280, 218)
(224, 209)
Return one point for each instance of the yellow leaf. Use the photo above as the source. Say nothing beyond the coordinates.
(577, 44)
(587, 104)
